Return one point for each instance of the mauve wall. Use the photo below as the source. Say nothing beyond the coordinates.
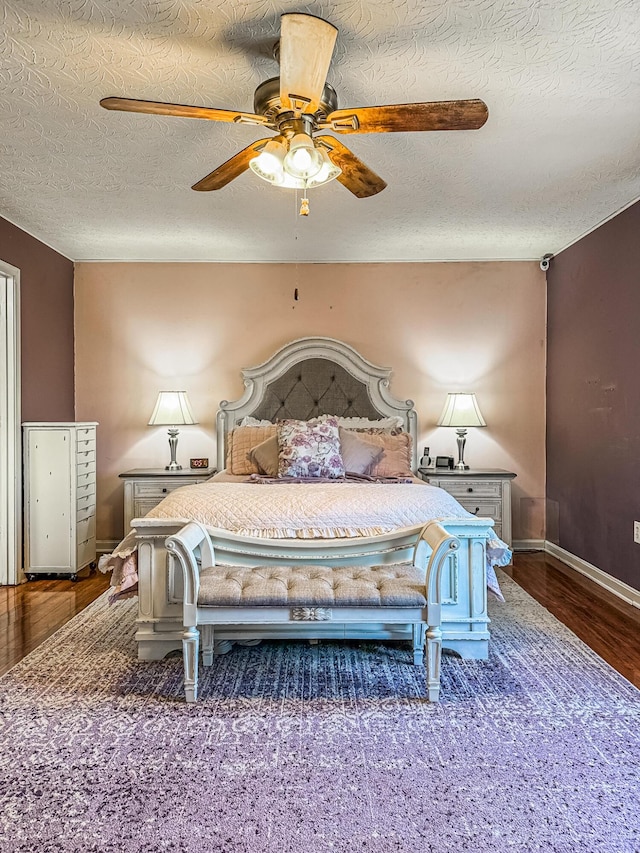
(46, 312)
(141, 328)
(593, 397)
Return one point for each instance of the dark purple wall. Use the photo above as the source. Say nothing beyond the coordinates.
(593, 397)
(46, 310)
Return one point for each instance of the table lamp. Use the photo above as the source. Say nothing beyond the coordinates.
(461, 411)
(172, 409)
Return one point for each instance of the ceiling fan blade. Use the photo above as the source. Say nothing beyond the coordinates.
(306, 48)
(437, 115)
(234, 167)
(356, 177)
(129, 105)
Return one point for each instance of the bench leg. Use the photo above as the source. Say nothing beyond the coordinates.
(207, 644)
(419, 636)
(190, 643)
(434, 650)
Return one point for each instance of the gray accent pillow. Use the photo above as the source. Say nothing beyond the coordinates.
(357, 455)
(265, 456)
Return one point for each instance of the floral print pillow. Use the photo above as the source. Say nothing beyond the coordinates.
(309, 448)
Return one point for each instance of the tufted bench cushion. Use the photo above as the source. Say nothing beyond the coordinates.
(400, 585)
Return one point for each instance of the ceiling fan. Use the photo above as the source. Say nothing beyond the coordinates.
(299, 106)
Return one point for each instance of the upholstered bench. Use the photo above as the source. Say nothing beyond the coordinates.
(403, 593)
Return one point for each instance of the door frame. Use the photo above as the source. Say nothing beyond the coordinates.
(10, 429)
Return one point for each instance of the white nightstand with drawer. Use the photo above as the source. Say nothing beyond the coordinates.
(485, 492)
(144, 488)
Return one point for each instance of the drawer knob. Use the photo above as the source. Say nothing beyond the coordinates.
(470, 489)
(477, 510)
(164, 490)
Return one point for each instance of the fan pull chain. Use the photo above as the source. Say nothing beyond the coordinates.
(304, 202)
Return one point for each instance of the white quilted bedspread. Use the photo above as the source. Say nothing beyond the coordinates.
(302, 511)
(309, 510)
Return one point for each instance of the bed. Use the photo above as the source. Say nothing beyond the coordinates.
(305, 380)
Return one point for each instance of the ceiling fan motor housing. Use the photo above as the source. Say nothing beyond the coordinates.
(266, 102)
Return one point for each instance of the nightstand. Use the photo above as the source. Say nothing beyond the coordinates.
(485, 492)
(144, 488)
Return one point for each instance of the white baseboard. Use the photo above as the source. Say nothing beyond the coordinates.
(622, 590)
(106, 546)
(528, 545)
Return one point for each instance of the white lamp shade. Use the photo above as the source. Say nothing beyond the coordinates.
(328, 171)
(172, 409)
(268, 165)
(461, 410)
(303, 161)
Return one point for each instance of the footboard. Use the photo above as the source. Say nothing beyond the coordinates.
(464, 591)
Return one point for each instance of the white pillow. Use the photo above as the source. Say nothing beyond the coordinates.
(395, 422)
(249, 421)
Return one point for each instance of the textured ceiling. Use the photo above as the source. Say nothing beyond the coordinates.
(558, 154)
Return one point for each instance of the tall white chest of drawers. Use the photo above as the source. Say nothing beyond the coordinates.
(60, 497)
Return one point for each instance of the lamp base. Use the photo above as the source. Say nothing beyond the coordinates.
(461, 440)
(173, 447)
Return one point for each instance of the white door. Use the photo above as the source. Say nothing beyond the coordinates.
(10, 454)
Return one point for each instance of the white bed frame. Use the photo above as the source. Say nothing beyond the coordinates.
(464, 589)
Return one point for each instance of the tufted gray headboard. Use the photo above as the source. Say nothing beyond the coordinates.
(315, 387)
(311, 377)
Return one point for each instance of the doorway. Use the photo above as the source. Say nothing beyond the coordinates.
(10, 443)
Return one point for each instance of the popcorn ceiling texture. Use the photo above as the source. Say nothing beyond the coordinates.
(557, 155)
(293, 747)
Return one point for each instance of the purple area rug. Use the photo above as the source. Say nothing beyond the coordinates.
(294, 748)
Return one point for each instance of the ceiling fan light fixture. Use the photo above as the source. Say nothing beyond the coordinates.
(303, 161)
(269, 164)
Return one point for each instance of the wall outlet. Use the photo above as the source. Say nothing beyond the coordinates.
(636, 532)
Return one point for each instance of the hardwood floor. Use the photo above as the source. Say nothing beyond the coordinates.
(610, 626)
(32, 612)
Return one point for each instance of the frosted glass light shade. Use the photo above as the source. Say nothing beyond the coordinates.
(268, 165)
(461, 410)
(172, 409)
(328, 171)
(303, 160)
